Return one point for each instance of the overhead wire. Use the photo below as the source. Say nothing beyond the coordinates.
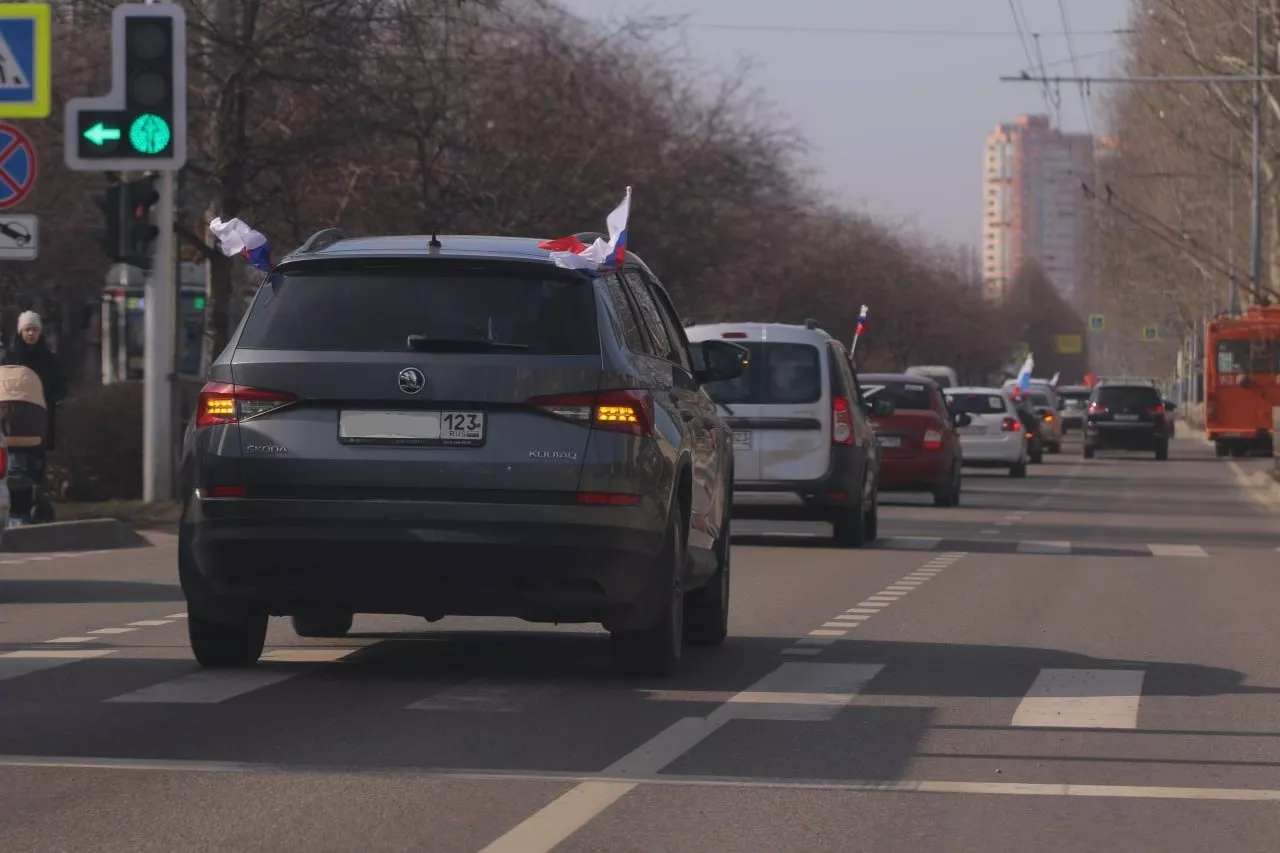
(1014, 5)
(893, 31)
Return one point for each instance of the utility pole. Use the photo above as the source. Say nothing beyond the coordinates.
(1233, 296)
(1256, 226)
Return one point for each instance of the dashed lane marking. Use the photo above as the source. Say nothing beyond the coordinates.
(26, 661)
(842, 623)
(209, 687)
(1032, 547)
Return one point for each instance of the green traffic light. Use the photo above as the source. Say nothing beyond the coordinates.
(149, 134)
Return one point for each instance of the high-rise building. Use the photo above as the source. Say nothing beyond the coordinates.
(1034, 206)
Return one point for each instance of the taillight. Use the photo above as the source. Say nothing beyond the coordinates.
(1009, 425)
(1048, 417)
(932, 440)
(223, 403)
(1031, 435)
(1156, 410)
(620, 411)
(841, 421)
(1097, 409)
(4, 462)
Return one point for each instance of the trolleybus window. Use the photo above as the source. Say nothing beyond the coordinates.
(1233, 356)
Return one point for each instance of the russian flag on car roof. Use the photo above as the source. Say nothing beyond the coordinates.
(600, 256)
(862, 321)
(237, 238)
(1024, 376)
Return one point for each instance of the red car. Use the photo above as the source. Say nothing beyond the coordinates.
(919, 447)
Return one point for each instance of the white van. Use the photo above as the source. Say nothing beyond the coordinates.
(803, 443)
(941, 374)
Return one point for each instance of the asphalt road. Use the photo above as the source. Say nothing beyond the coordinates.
(1082, 660)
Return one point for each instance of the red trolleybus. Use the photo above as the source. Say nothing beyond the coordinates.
(1242, 380)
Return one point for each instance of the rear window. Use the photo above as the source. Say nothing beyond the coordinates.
(377, 310)
(905, 395)
(976, 404)
(1074, 395)
(1041, 401)
(1128, 396)
(776, 374)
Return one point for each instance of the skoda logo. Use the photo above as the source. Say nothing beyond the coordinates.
(411, 380)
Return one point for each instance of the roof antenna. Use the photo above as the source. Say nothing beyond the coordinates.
(434, 246)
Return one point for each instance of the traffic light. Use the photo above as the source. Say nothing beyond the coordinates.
(140, 198)
(141, 125)
(109, 237)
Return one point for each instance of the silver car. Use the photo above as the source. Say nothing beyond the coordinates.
(458, 428)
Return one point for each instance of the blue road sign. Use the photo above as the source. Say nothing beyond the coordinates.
(17, 166)
(25, 65)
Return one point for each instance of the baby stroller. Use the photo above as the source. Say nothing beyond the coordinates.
(24, 418)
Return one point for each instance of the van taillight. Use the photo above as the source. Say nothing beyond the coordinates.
(224, 403)
(1009, 425)
(618, 411)
(1156, 410)
(841, 421)
(4, 462)
(1097, 409)
(932, 440)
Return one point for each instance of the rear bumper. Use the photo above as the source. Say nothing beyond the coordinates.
(922, 473)
(800, 499)
(1004, 449)
(1140, 436)
(537, 562)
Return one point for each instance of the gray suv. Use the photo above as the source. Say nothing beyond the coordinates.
(456, 426)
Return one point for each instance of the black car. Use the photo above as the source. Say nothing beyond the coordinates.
(458, 427)
(1123, 416)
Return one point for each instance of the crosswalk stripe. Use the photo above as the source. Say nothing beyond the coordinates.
(1082, 699)
(26, 661)
(1034, 547)
(211, 686)
(1177, 551)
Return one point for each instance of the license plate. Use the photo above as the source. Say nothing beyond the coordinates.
(973, 430)
(1126, 417)
(889, 441)
(414, 429)
(741, 440)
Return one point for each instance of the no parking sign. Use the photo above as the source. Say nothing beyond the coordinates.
(17, 166)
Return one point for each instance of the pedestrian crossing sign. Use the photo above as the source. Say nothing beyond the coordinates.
(26, 45)
(1097, 322)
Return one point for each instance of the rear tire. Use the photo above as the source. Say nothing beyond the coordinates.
(1162, 452)
(1037, 456)
(849, 529)
(1088, 452)
(1056, 447)
(322, 624)
(706, 610)
(1220, 448)
(949, 495)
(655, 651)
(1019, 470)
(227, 645)
(873, 520)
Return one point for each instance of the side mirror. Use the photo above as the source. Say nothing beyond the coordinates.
(882, 407)
(1170, 406)
(962, 419)
(722, 360)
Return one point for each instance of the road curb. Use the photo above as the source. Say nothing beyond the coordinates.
(98, 534)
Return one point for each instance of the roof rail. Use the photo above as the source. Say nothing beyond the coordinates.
(591, 236)
(321, 240)
(810, 323)
(688, 322)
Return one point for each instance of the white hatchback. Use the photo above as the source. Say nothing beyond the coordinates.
(994, 437)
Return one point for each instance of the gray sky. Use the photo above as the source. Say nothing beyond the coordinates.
(896, 121)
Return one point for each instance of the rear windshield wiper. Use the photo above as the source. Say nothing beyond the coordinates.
(426, 343)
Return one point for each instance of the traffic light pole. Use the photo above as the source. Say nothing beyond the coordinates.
(161, 333)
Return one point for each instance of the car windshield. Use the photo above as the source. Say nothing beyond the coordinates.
(905, 395)
(976, 404)
(776, 373)
(379, 310)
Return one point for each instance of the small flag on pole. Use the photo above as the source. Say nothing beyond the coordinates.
(600, 256)
(1024, 377)
(862, 323)
(237, 238)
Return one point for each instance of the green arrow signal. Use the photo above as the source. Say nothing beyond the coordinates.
(99, 133)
